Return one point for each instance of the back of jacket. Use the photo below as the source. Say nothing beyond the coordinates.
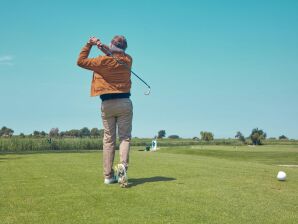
(108, 75)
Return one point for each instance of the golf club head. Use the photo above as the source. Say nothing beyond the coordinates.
(148, 92)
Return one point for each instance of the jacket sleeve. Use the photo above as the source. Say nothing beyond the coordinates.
(88, 63)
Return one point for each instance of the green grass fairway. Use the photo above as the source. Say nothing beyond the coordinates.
(195, 184)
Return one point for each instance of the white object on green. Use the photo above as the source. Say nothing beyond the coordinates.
(154, 145)
(281, 176)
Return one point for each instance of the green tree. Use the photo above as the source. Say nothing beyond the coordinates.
(257, 135)
(22, 135)
(101, 133)
(283, 137)
(95, 132)
(240, 136)
(54, 132)
(43, 134)
(36, 133)
(161, 134)
(84, 132)
(62, 134)
(73, 133)
(206, 136)
(5, 131)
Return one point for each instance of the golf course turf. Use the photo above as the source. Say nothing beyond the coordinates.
(193, 184)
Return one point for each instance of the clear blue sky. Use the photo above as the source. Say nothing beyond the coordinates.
(219, 66)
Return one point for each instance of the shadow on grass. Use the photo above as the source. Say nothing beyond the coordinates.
(134, 182)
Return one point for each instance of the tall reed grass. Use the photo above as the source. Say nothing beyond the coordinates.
(18, 144)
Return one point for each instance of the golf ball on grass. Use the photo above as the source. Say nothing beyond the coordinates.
(281, 176)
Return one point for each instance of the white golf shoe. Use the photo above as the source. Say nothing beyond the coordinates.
(121, 175)
(111, 180)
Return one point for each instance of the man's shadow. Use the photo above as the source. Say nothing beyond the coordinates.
(134, 182)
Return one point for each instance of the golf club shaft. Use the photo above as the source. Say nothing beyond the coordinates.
(105, 49)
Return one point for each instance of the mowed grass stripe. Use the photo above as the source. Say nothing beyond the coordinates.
(166, 188)
(273, 155)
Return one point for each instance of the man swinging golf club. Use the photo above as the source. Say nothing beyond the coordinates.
(112, 82)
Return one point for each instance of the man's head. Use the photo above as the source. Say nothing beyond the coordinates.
(119, 42)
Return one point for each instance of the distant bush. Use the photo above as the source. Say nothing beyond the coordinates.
(85, 132)
(282, 137)
(241, 137)
(95, 132)
(161, 134)
(257, 136)
(54, 132)
(6, 132)
(206, 136)
(174, 136)
(271, 138)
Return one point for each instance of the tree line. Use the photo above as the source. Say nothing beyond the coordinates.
(55, 132)
(256, 137)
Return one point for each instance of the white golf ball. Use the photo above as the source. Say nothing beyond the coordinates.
(281, 175)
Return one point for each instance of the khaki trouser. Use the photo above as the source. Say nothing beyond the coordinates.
(116, 113)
